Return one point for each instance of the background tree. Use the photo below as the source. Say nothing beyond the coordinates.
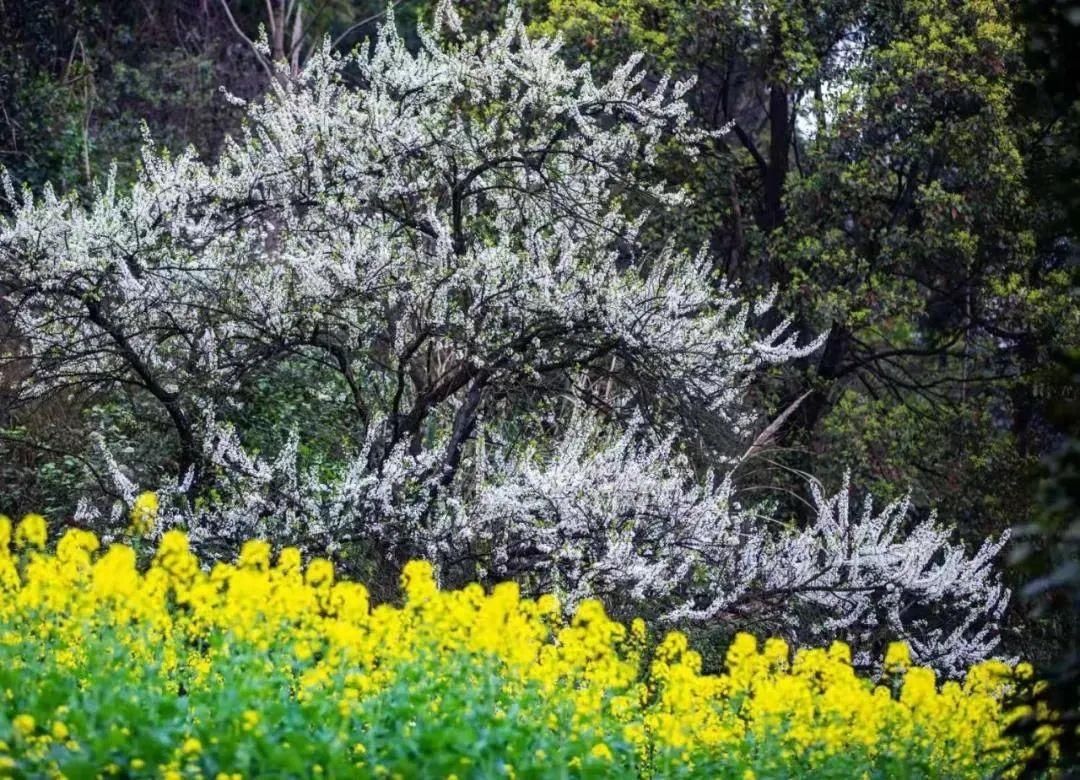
(1049, 553)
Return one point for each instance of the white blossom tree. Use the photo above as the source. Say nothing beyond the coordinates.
(450, 236)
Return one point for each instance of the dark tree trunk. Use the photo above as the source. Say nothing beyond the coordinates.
(772, 215)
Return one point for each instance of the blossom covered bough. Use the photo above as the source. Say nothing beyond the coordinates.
(451, 238)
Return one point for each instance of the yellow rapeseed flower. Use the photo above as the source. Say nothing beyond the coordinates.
(897, 657)
(249, 720)
(255, 554)
(24, 725)
(32, 531)
(144, 513)
(601, 751)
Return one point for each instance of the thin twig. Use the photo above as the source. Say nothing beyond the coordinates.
(254, 48)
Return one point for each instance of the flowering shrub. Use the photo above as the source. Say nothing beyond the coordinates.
(262, 665)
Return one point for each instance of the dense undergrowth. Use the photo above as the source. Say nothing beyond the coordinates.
(109, 667)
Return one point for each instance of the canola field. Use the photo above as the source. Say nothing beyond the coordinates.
(270, 667)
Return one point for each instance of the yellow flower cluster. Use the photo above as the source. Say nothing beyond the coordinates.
(144, 513)
(811, 702)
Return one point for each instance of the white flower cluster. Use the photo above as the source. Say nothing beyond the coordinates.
(454, 233)
(625, 517)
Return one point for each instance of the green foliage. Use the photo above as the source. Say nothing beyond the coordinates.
(303, 397)
(466, 720)
(130, 717)
(1049, 555)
